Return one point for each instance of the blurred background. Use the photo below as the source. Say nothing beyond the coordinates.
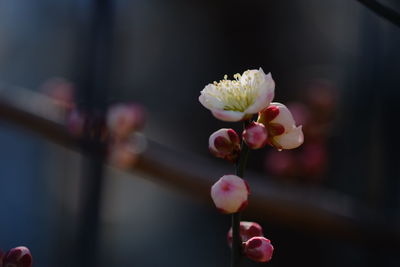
(333, 202)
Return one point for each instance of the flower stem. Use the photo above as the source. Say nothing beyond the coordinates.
(236, 254)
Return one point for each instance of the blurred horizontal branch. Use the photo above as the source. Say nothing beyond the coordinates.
(382, 11)
(314, 210)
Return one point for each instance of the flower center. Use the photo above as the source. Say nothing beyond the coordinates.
(235, 94)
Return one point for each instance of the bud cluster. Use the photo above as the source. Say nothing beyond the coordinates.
(16, 257)
(119, 127)
(238, 100)
(275, 126)
(255, 246)
(230, 195)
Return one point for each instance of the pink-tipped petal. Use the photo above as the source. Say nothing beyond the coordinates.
(268, 114)
(284, 117)
(290, 140)
(227, 115)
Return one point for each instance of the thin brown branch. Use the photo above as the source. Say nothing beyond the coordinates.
(317, 211)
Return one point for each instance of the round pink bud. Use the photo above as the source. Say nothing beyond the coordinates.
(18, 257)
(258, 249)
(225, 143)
(247, 231)
(255, 135)
(123, 119)
(230, 194)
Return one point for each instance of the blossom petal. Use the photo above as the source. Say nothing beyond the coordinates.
(292, 139)
(208, 100)
(285, 117)
(227, 115)
(266, 91)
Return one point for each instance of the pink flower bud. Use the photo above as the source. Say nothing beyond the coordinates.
(281, 163)
(61, 91)
(123, 155)
(225, 143)
(258, 249)
(255, 135)
(18, 257)
(123, 119)
(247, 231)
(282, 130)
(230, 194)
(76, 122)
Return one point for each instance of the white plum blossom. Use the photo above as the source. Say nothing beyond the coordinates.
(238, 99)
(230, 194)
(282, 130)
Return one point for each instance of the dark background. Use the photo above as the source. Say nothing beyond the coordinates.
(164, 53)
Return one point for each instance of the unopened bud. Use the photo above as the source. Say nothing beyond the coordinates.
(225, 143)
(230, 194)
(255, 135)
(18, 257)
(258, 249)
(247, 231)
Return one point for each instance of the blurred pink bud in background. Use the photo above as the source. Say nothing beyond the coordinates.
(76, 122)
(247, 231)
(301, 113)
(225, 143)
(322, 94)
(255, 135)
(60, 90)
(123, 155)
(280, 163)
(123, 119)
(258, 249)
(314, 158)
(230, 194)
